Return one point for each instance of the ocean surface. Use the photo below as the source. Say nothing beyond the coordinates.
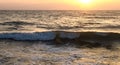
(51, 24)
(59, 37)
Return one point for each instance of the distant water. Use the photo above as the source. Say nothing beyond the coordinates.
(47, 25)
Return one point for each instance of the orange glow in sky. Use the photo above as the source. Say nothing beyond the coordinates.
(60, 4)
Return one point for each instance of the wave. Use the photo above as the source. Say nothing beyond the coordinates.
(15, 23)
(52, 35)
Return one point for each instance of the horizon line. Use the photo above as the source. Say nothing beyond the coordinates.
(57, 9)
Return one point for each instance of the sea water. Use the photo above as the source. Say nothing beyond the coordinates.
(49, 24)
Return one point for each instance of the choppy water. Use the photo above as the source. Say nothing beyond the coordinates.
(47, 25)
(59, 37)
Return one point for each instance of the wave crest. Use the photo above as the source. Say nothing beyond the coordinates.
(51, 35)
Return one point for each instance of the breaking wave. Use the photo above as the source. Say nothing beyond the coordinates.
(52, 35)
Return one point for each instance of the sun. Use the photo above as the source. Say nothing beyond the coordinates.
(86, 4)
(85, 1)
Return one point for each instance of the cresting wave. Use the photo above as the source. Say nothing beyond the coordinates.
(52, 35)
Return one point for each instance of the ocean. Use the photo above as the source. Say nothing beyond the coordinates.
(47, 25)
(59, 37)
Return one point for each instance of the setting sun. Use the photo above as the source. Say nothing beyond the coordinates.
(85, 1)
(60, 4)
(86, 4)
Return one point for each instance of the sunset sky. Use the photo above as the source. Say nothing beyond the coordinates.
(59, 5)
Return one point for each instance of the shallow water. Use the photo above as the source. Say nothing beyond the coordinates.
(49, 53)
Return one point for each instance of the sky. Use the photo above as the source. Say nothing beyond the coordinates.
(59, 5)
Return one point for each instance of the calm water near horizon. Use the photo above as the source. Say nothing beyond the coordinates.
(101, 21)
